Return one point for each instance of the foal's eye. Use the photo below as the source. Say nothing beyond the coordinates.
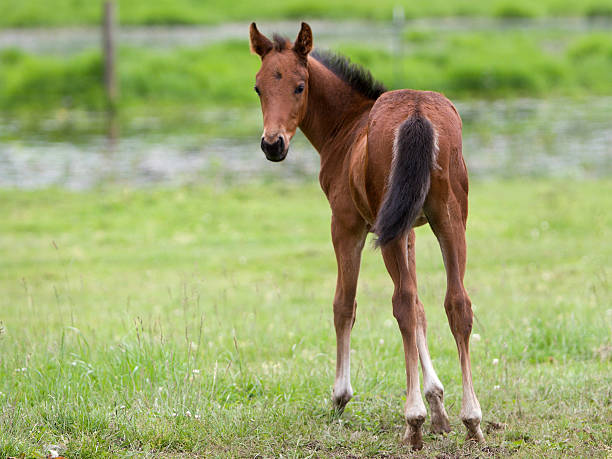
(299, 89)
(257, 90)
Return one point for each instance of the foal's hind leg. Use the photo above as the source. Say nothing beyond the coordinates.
(434, 391)
(395, 256)
(447, 216)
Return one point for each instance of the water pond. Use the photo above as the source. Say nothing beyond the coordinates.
(77, 150)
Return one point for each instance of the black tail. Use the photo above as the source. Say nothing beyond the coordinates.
(409, 180)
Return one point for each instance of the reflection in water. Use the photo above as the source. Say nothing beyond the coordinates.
(502, 138)
(558, 137)
(112, 130)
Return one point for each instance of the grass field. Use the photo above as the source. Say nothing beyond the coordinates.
(198, 322)
(15, 13)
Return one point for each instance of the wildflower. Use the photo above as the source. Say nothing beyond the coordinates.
(495, 361)
(476, 337)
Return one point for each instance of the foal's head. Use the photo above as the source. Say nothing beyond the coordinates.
(282, 86)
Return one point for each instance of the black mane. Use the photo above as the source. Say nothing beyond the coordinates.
(356, 76)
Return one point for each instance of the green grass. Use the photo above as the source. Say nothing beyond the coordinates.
(198, 321)
(16, 13)
(486, 64)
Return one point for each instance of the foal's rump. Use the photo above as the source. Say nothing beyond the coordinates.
(402, 152)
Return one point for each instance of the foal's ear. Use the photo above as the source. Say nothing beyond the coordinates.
(303, 42)
(260, 45)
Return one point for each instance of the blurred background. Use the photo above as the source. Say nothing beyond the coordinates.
(532, 81)
(165, 290)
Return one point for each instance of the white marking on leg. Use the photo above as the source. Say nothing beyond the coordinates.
(415, 408)
(431, 382)
(415, 411)
(470, 413)
(343, 391)
(434, 391)
(470, 408)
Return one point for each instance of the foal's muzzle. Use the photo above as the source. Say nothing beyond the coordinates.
(274, 151)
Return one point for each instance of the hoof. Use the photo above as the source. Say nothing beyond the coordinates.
(413, 435)
(339, 400)
(441, 425)
(473, 430)
(439, 419)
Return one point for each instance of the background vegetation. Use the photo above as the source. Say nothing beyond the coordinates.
(485, 63)
(16, 13)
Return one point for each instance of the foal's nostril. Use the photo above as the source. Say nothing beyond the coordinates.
(281, 144)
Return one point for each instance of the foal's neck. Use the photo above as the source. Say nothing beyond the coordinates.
(334, 113)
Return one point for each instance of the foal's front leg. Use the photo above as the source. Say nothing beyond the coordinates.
(348, 243)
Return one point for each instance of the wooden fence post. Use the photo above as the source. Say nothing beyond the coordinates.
(108, 47)
(399, 18)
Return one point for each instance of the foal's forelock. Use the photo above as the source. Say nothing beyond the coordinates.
(280, 42)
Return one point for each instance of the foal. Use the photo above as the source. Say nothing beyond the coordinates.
(389, 161)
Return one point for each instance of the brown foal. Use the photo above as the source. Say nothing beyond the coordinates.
(389, 161)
